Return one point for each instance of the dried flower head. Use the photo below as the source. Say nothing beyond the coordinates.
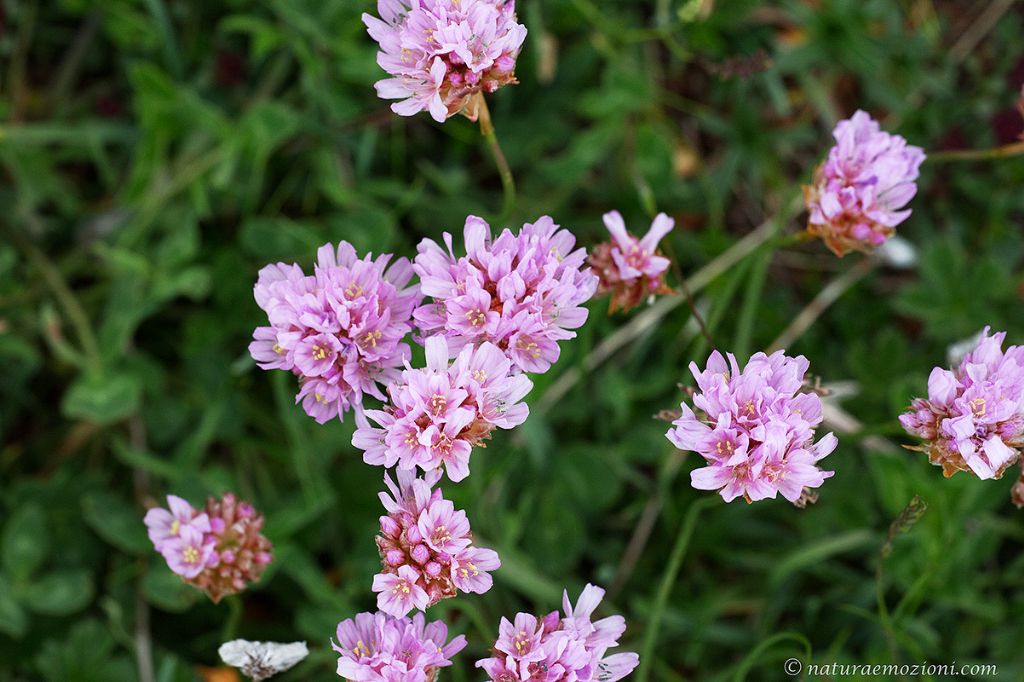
(631, 269)
(755, 428)
(973, 418)
(262, 660)
(858, 194)
(377, 647)
(560, 649)
(440, 53)
(220, 550)
(339, 330)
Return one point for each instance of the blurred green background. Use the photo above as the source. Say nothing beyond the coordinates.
(156, 153)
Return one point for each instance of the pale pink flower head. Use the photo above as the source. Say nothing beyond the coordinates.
(441, 53)
(340, 330)
(973, 418)
(219, 551)
(426, 548)
(755, 428)
(859, 193)
(437, 414)
(568, 649)
(379, 647)
(522, 292)
(631, 269)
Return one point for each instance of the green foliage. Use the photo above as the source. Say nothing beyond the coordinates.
(156, 154)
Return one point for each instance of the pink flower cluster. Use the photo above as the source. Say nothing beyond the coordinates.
(973, 418)
(376, 647)
(560, 649)
(631, 269)
(440, 53)
(437, 414)
(755, 428)
(219, 550)
(339, 330)
(522, 292)
(858, 194)
(426, 548)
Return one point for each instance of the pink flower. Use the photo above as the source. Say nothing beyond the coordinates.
(189, 554)
(440, 53)
(521, 292)
(399, 592)
(339, 330)
(220, 551)
(437, 414)
(631, 269)
(426, 548)
(755, 428)
(973, 418)
(858, 194)
(377, 647)
(164, 526)
(567, 649)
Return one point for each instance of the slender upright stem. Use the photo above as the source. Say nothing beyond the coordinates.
(508, 183)
(1014, 149)
(684, 288)
(235, 607)
(668, 581)
(72, 307)
(825, 298)
(143, 636)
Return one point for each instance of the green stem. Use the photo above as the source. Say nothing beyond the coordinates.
(508, 183)
(668, 581)
(1014, 149)
(234, 603)
(68, 301)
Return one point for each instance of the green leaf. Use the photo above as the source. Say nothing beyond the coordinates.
(12, 617)
(84, 655)
(116, 521)
(167, 591)
(103, 399)
(26, 542)
(60, 593)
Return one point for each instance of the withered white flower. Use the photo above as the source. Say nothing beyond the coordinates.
(262, 660)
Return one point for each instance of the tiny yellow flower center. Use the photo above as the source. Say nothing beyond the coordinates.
(978, 407)
(371, 338)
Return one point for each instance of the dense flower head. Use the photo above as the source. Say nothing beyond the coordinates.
(973, 418)
(556, 648)
(377, 647)
(340, 330)
(440, 53)
(220, 550)
(426, 548)
(437, 414)
(858, 194)
(522, 292)
(631, 269)
(754, 427)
